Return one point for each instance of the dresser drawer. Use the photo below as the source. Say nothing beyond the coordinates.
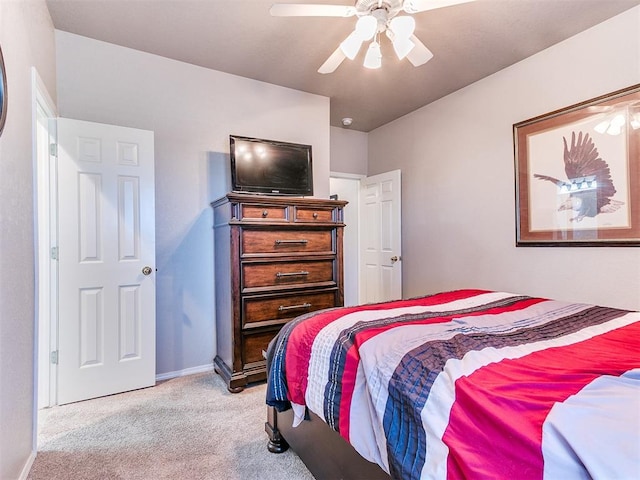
(254, 344)
(263, 309)
(286, 241)
(313, 214)
(264, 212)
(279, 274)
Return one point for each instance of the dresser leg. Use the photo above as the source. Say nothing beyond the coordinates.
(236, 382)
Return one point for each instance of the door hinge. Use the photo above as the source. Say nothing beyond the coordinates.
(54, 357)
(54, 253)
(53, 149)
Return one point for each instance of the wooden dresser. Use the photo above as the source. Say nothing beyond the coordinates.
(275, 258)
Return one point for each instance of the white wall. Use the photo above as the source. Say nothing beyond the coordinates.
(27, 39)
(192, 111)
(349, 151)
(456, 157)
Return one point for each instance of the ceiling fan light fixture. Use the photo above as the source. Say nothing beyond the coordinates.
(403, 27)
(374, 17)
(351, 45)
(366, 27)
(373, 59)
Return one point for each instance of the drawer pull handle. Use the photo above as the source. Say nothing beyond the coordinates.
(282, 308)
(265, 213)
(283, 242)
(315, 214)
(291, 274)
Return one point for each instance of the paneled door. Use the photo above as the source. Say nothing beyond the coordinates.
(106, 251)
(381, 230)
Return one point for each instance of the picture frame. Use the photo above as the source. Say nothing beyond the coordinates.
(577, 174)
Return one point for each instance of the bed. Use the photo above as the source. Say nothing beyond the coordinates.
(461, 384)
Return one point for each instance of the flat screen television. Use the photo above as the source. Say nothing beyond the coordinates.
(270, 167)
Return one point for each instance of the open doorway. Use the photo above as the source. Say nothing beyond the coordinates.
(347, 187)
(372, 235)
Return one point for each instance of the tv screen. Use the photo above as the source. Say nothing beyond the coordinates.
(270, 167)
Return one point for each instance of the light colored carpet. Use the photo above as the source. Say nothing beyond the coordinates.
(184, 428)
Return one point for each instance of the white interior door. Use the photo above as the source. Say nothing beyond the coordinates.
(106, 327)
(381, 237)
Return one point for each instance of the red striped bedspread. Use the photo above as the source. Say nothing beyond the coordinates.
(470, 384)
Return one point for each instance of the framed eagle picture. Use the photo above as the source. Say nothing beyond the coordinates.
(578, 174)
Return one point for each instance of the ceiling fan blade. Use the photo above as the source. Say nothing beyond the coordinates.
(310, 10)
(333, 62)
(415, 6)
(419, 54)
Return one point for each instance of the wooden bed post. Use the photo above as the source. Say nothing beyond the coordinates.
(277, 444)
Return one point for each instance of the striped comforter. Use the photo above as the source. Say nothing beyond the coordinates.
(470, 384)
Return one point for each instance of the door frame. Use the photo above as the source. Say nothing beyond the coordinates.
(45, 237)
(353, 205)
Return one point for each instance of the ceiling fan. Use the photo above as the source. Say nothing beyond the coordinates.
(375, 17)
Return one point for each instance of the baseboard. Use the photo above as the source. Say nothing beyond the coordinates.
(27, 466)
(186, 371)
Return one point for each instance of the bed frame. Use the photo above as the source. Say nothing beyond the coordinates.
(325, 453)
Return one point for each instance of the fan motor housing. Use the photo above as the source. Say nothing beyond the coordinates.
(366, 7)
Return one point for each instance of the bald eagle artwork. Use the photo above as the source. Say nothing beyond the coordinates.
(589, 183)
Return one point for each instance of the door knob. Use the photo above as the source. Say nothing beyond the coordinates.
(146, 270)
(395, 258)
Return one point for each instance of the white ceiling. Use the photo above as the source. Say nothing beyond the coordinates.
(470, 41)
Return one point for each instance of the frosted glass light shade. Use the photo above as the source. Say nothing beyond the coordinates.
(373, 59)
(402, 27)
(366, 27)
